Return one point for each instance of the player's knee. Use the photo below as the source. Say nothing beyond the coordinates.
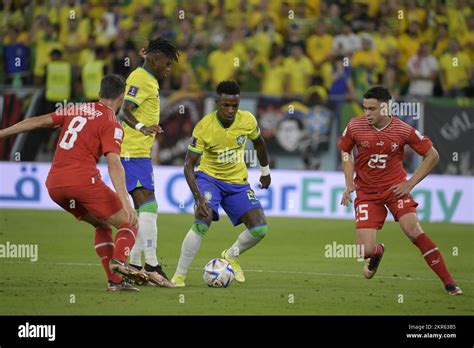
(200, 228)
(259, 231)
(148, 207)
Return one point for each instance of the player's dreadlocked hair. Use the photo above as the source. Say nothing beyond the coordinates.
(229, 87)
(380, 93)
(164, 46)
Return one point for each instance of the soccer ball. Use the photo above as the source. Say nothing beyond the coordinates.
(218, 273)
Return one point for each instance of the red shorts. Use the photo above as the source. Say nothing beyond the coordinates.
(371, 211)
(97, 199)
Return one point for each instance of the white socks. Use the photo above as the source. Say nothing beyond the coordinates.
(191, 244)
(243, 243)
(146, 240)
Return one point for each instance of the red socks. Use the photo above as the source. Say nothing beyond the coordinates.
(433, 258)
(104, 246)
(124, 241)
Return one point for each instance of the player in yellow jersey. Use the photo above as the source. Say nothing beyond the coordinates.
(141, 124)
(221, 179)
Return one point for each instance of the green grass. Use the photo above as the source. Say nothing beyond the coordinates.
(289, 262)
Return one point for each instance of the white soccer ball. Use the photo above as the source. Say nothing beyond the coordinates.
(218, 273)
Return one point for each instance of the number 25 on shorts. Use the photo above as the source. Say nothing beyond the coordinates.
(362, 213)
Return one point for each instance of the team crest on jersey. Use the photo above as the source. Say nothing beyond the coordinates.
(394, 147)
(133, 91)
(365, 144)
(193, 141)
(240, 139)
(208, 196)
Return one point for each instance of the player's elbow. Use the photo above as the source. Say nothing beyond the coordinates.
(434, 156)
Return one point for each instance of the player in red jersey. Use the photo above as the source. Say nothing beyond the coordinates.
(74, 183)
(381, 182)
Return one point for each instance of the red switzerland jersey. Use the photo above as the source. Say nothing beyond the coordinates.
(379, 158)
(88, 131)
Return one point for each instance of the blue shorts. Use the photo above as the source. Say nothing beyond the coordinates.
(235, 199)
(138, 173)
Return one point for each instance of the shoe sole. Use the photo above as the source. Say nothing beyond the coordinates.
(158, 279)
(138, 277)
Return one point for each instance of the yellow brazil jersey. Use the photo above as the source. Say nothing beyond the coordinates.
(142, 90)
(222, 148)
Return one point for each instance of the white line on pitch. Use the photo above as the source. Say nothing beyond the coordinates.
(249, 270)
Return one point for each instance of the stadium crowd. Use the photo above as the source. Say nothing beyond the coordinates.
(279, 49)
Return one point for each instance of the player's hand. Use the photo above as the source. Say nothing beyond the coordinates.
(401, 189)
(150, 130)
(131, 214)
(265, 181)
(202, 207)
(346, 196)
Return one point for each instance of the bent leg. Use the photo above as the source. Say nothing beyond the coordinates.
(411, 226)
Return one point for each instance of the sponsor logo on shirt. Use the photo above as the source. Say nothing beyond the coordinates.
(133, 91)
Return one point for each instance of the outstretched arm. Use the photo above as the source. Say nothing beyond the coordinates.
(262, 155)
(430, 159)
(44, 121)
(189, 164)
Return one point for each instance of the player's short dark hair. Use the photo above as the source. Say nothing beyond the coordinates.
(380, 93)
(112, 86)
(229, 87)
(164, 46)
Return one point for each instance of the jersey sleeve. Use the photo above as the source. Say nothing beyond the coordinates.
(111, 137)
(59, 116)
(347, 141)
(255, 130)
(135, 90)
(418, 142)
(197, 144)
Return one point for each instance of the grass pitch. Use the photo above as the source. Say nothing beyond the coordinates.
(287, 274)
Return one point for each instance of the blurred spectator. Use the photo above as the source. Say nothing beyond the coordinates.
(93, 72)
(440, 43)
(422, 70)
(123, 54)
(319, 45)
(251, 72)
(467, 40)
(334, 20)
(368, 65)
(45, 43)
(346, 42)
(456, 70)
(299, 70)
(409, 42)
(274, 79)
(58, 78)
(223, 63)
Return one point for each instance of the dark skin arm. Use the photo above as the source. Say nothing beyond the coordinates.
(203, 210)
(262, 155)
(130, 120)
